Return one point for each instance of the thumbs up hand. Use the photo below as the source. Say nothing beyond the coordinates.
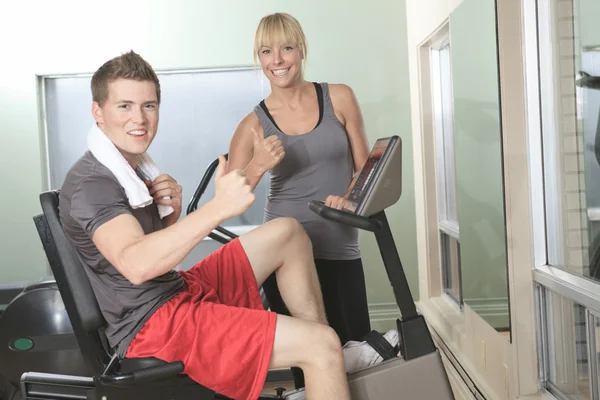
(267, 152)
(233, 193)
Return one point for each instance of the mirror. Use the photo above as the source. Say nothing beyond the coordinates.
(586, 60)
(478, 161)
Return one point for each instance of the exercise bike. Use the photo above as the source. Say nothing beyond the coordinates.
(417, 372)
(417, 369)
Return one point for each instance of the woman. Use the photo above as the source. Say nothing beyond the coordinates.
(311, 138)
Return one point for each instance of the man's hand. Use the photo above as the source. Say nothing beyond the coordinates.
(233, 194)
(166, 191)
(267, 152)
(336, 202)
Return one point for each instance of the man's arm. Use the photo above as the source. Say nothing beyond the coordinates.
(166, 191)
(140, 257)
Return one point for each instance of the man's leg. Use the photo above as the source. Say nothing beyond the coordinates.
(277, 306)
(316, 349)
(308, 343)
(282, 246)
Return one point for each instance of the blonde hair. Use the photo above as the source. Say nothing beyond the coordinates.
(280, 28)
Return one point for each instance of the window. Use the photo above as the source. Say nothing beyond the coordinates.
(441, 80)
(570, 332)
(568, 276)
(199, 112)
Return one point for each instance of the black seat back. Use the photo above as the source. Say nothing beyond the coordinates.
(73, 283)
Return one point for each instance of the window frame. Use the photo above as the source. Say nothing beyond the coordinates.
(553, 284)
(43, 117)
(443, 131)
(548, 237)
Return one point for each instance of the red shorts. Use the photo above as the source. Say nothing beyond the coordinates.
(216, 325)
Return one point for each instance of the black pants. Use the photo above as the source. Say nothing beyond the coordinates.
(344, 296)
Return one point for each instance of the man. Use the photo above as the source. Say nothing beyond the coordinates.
(211, 317)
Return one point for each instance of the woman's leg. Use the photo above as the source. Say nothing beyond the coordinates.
(345, 297)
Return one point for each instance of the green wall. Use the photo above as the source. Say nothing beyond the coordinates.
(389, 115)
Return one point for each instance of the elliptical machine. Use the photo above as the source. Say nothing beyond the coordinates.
(418, 370)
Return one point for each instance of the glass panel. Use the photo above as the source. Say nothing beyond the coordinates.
(440, 152)
(588, 101)
(478, 161)
(570, 99)
(442, 99)
(568, 364)
(448, 137)
(450, 250)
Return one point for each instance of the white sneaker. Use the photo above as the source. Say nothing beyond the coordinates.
(360, 355)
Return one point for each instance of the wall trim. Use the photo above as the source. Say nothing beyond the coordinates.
(383, 316)
(494, 310)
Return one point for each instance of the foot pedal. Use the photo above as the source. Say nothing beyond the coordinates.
(381, 345)
(279, 390)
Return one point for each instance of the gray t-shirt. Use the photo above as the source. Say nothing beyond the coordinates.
(90, 196)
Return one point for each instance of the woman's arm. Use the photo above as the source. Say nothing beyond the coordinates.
(251, 152)
(347, 110)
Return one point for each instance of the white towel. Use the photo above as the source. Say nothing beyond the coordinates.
(136, 190)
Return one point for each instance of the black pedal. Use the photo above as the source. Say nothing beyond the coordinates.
(279, 391)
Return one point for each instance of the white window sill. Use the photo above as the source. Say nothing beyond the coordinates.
(540, 396)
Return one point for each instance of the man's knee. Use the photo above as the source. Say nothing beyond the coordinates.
(291, 231)
(324, 347)
(289, 225)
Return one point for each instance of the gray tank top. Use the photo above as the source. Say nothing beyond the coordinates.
(316, 164)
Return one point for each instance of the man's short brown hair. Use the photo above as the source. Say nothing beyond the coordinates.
(126, 66)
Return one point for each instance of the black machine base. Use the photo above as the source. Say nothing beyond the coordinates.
(40, 386)
(7, 390)
(415, 337)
